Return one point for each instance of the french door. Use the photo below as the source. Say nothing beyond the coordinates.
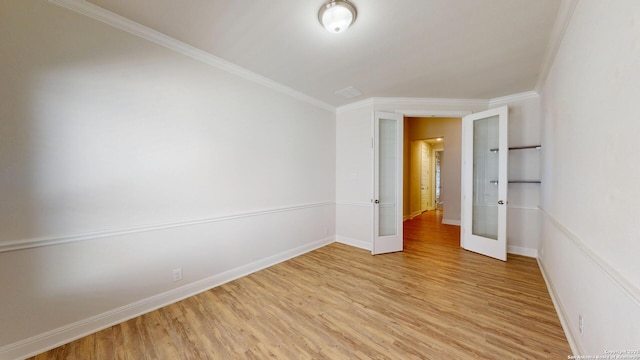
(484, 182)
(387, 183)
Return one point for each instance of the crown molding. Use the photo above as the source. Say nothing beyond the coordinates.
(511, 98)
(434, 113)
(97, 13)
(355, 105)
(565, 12)
(399, 101)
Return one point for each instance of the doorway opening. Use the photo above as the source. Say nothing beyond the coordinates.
(425, 162)
(445, 167)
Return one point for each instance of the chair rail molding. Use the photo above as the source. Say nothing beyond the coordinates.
(17, 245)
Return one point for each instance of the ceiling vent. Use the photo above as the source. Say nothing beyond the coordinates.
(349, 92)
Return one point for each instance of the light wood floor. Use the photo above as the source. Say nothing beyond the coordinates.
(432, 301)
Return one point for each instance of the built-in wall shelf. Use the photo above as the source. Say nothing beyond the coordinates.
(537, 147)
(495, 182)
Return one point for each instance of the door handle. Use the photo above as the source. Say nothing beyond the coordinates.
(500, 202)
(376, 201)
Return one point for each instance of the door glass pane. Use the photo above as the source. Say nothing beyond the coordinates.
(485, 178)
(387, 177)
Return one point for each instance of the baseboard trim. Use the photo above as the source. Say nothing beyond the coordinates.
(519, 250)
(57, 240)
(354, 242)
(451, 222)
(65, 334)
(560, 310)
(626, 286)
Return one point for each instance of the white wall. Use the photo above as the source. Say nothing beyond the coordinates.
(354, 177)
(590, 176)
(127, 160)
(523, 215)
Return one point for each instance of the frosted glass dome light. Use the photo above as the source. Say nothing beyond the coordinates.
(337, 15)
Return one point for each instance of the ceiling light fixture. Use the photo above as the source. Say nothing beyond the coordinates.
(337, 15)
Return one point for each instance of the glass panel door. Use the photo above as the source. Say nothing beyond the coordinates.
(485, 178)
(387, 163)
(484, 182)
(387, 183)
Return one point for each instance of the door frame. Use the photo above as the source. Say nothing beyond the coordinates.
(458, 114)
(415, 113)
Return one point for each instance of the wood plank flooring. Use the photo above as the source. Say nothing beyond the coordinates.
(432, 301)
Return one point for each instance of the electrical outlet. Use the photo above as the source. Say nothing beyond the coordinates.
(581, 324)
(177, 274)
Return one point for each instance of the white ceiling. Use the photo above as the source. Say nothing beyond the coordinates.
(474, 49)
